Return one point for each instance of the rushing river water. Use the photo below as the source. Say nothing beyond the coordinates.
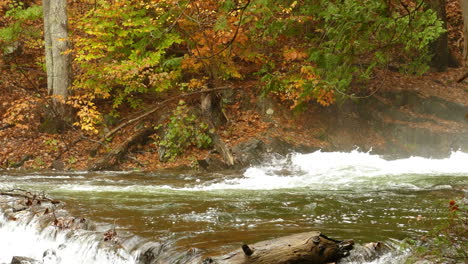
(353, 195)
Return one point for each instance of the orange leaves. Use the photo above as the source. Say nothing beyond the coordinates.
(325, 97)
(291, 54)
(191, 64)
(4, 3)
(216, 38)
(20, 112)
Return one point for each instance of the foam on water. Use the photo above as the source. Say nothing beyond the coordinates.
(339, 170)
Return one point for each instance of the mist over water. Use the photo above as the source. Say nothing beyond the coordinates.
(345, 195)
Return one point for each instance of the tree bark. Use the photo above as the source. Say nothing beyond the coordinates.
(440, 60)
(48, 45)
(209, 117)
(58, 60)
(464, 7)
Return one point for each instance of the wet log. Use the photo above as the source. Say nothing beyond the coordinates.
(310, 247)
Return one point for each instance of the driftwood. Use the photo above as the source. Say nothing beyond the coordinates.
(31, 198)
(24, 260)
(310, 247)
(113, 157)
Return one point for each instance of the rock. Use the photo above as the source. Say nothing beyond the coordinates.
(50, 257)
(58, 165)
(23, 260)
(250, 152)
(212, 163)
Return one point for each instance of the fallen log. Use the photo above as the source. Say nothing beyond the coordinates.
(110, 160)
(158, 106)
(310, 247)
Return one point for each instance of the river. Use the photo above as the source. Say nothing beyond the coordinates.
(352, 195)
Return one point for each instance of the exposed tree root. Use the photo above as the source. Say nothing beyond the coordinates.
(462, 77)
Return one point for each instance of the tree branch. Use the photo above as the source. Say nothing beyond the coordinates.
(158, 106)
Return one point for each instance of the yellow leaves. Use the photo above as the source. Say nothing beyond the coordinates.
(195, 84)
(88, 115)
(288, 10)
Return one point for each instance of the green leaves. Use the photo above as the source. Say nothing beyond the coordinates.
(125, 51)
(19, 29)
(182, 132)
(347, 39)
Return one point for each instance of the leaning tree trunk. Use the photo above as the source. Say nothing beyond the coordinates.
(58, 61)
(464, 7)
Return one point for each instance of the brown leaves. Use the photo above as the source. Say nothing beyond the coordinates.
(110, 235)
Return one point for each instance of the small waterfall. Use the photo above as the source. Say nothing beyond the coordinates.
(26, 236)
(57, 238)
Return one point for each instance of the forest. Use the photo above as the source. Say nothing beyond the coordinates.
(197, 125)
(153, 84)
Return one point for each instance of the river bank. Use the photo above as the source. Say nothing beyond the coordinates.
(404, 116)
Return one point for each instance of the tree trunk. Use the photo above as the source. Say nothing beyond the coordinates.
(212, 116)
(440, 60)
(48, 45)
(464, 7)
(58, 59)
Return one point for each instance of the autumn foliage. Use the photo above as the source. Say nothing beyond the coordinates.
(130, 54)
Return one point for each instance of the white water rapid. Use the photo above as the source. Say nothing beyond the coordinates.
(342, 171)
